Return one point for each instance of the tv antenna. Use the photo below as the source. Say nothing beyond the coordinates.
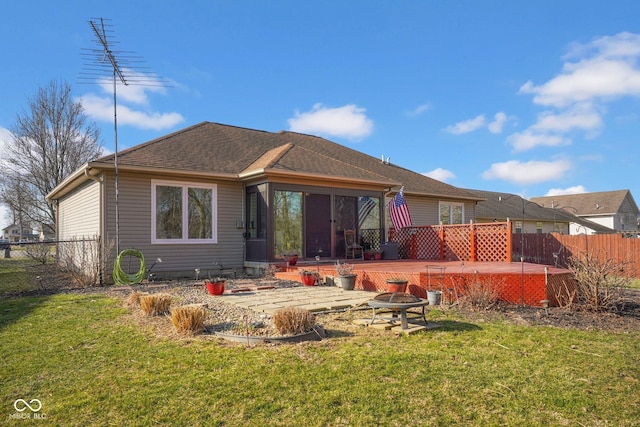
(125, 67)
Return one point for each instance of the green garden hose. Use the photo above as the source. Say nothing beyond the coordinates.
(122, 278)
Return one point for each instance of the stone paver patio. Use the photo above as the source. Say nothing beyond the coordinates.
(313, 298)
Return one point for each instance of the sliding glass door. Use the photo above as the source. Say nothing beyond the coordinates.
(287, 214)
(313, 224)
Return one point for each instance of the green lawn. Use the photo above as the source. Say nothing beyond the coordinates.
(14, 275)
(87, 363)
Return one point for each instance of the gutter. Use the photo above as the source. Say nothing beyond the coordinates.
(92, 177)
(245, 176)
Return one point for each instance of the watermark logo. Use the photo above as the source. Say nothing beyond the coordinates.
(21, 405)
(27, 410)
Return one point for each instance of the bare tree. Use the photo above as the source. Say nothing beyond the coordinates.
(51, 139)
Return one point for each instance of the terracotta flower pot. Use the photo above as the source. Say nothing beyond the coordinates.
(215, 287)
(308, 279)
(397, 285)
(291, 259)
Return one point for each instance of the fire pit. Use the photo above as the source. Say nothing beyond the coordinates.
(397, 302)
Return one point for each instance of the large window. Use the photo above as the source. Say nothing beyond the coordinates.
(451, 213)
(183, 212)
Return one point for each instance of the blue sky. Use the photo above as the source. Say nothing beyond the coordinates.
(529, 97)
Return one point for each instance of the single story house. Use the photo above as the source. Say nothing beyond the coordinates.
(214, 195)
(616, 210)
(527, 216)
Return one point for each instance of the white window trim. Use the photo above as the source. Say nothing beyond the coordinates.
(450, 205)
(185, 185)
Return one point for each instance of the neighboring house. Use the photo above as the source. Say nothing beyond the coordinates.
(615, 210)
(15, 233)
(526, 215)
(214, 194)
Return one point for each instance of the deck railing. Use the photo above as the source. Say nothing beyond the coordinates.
(490, 242)
(494, 242)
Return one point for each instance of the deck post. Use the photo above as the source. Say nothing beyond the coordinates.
(472, 242)
(509, 242)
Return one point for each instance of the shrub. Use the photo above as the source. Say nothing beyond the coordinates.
(84, 259)
(155, 304)
(40, 252)
(601, 282)
(293, 320)
(481, 294)
(134, 298)
(189, 319)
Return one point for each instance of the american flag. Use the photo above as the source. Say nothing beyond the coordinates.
(399, 211)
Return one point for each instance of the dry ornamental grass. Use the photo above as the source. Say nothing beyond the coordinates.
(134, 298)
(156, 304)
(189, 319)
(293, 320)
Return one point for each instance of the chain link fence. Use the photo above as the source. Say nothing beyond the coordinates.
(42, 267)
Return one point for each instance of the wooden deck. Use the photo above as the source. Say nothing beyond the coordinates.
(518, 283)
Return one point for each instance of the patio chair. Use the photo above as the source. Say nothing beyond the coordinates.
(351, 245)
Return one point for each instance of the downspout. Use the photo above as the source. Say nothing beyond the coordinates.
(244, 226)
(91, 177)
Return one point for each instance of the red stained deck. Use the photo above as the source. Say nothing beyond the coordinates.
(518, 283)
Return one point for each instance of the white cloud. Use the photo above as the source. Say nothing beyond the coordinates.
(605, 69)
(524, 173)
(101, 108)
(137, 90)
(466, 126)
(522, 141)
(581, 117)
(348, 121)
(5, 138)
(498, 123)
(440, 174)
(418, 110)
(623, 44)
(577, 189)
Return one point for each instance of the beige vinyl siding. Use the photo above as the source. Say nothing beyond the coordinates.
(425, 211)
(135, 212)
(79, 212)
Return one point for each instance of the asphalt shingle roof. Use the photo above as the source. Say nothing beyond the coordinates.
(223, 149)
(591, 204)
(506, 205)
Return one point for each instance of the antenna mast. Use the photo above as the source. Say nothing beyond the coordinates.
(123, 65)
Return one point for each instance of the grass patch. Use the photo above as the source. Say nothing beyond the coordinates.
(14, 275)
(83, 358)
(634, 283)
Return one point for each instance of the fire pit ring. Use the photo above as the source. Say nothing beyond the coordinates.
(397, 302)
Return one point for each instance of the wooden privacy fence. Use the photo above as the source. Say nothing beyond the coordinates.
(556, 249)
(494, 242)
